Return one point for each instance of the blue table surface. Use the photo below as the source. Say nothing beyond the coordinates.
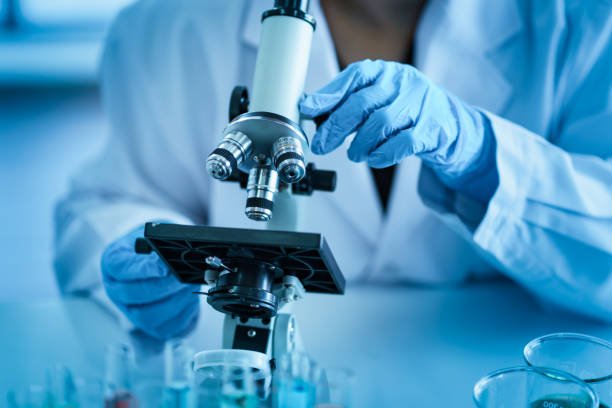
(408, 346)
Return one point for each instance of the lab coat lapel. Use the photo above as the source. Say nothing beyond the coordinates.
(355, 198)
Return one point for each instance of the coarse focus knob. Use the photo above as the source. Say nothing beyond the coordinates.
(288, 158)
(225, 159)
(322, 180)
(262, 185)
(239, 102)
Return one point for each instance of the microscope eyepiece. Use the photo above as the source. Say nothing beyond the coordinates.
(261, 187)
(289, 159)
(225, 159)
(291, 8)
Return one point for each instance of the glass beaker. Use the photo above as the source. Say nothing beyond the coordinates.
(178, 374)
(118, 377)
(231, 378)
(586, 357)
(533, 387)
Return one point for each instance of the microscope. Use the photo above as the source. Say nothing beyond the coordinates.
(253, 273)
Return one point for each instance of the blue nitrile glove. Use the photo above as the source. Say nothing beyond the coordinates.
(398, 112)
(144, 289)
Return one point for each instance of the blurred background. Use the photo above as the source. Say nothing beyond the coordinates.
(51, 120)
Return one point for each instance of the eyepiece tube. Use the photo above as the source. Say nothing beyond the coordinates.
(225, 159)
(262, 185)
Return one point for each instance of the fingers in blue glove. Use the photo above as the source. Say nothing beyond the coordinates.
(131, 278)
(353, 78)
(121, 262)
(178, 326)
(398, 147)
(168, 317)
(353, 112)
(382, 125)
(139, 291)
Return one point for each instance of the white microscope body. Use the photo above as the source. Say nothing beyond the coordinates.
(265, 141)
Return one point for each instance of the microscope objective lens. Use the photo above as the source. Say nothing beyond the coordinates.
(229, 154)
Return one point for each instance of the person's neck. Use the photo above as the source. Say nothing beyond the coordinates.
(379, 13)
(380, 29)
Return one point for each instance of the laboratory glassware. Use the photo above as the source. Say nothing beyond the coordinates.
(61, 388)
(118, 392)
(178, 374)
(231, 378)
(151, 394)
(533, 387)
(34, 396)
(586, 357)
(336, 384)
(296, 380)
(89, 392)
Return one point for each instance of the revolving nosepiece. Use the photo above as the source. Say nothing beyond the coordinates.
(261, 187)
(288, 158)
(225, 159)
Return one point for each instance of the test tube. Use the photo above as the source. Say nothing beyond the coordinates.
(118, 391)
(177, 374)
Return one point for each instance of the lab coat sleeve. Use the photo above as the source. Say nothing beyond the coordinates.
(549, 223)
(147, 169)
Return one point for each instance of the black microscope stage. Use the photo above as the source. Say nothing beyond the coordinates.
(304, 255)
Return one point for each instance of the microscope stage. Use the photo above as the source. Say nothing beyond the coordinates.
(307, 256)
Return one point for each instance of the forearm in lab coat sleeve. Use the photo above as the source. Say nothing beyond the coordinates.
(548, 225)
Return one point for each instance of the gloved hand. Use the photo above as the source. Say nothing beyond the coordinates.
(144, 289)
(398, 112)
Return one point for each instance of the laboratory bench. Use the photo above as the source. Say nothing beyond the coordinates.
(408, 345)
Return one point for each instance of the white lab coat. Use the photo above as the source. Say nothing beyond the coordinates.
(167, 73)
